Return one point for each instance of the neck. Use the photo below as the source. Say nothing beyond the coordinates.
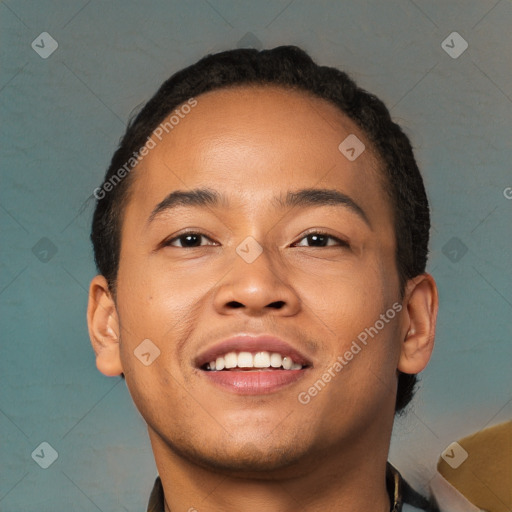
(350, 478)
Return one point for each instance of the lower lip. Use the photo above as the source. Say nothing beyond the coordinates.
(254, 382)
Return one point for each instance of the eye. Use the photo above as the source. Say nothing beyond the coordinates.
(191, 240)
(321, 239)
(188, 240)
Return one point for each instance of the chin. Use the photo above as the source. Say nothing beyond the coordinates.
(243, 459)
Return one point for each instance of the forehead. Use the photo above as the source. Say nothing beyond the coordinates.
(254, 139)
(262, 114)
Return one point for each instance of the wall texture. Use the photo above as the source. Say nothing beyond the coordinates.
(62, 116)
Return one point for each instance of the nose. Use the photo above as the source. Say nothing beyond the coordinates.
(257, 289)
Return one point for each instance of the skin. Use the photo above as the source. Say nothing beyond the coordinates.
(216, 450)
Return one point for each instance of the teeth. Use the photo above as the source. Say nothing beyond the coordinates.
(245, 360)
(276, 360)
(230, 360)
(248, 360)
(287, 363)
(262, 360)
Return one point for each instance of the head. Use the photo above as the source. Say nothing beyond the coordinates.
(254, 127)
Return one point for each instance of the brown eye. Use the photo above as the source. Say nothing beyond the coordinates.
(318, 239)
(187, 241)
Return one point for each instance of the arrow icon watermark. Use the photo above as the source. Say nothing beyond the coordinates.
(351, 147)
(454, 455)
(45, 455)
(44, 45)
(146, 352)
(249, 249)
(454, 45)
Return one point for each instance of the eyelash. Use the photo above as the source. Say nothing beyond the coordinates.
(342, 243)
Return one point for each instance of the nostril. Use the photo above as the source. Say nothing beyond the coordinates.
(234, 304)
(278, 304)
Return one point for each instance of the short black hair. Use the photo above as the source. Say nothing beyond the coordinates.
(292, 68)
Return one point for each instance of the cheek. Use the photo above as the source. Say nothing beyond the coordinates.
(360, 327)
(165, 307)
(348, 300)
(153, 298)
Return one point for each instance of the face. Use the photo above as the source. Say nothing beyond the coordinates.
(266, 256)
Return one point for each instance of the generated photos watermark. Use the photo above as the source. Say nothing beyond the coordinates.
(304, 397)
(164, 127)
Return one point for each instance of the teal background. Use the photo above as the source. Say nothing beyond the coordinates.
(61, 119)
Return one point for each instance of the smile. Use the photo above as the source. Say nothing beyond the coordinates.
(259, 361)
(252, 365)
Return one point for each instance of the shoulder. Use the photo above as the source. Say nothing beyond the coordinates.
(407, 499)
(409, 508)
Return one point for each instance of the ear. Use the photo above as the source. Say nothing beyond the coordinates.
(103, 324)
(419, 325)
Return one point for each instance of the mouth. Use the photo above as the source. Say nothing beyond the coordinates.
(247, 361)
(253, 366)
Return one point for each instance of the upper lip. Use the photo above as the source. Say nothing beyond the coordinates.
(248, 343)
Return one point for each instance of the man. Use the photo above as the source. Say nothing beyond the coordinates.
(261, 237)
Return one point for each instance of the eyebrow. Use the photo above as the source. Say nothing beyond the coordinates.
(308, 197)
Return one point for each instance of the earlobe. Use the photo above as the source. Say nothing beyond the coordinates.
(103, 327)
(418, 329)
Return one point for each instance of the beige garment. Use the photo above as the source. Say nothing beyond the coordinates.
(484, 478)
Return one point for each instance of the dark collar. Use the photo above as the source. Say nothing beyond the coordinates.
(398, 490)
